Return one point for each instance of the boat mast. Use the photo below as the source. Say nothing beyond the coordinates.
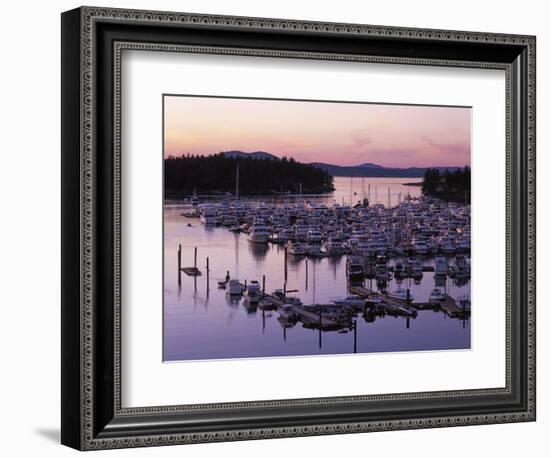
(237, 184)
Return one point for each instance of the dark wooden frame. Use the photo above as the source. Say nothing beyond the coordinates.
(92, 40)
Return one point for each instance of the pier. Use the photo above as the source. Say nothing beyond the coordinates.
(448, 305)
(316, 320)
(311, 316)
(191, 271)
(451, 308)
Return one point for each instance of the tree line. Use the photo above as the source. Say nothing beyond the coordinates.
(217, 173)
(448, 185)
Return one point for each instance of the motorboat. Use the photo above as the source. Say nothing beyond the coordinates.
(314, 236)
(253, 292)
(465, 303)
(334, 247)
(295, 248)
(420, 247)
(401, 294)
(399, 269)
(208, 214)
(355, 267)
(461, 267)
(381, 273)
(436, 296)
(234, 287)
(373, 300)
(441, 267)
(313, 249)
(259, 233)
(352, 300)
(286, 311)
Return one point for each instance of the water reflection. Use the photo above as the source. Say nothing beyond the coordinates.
(258, 250)
(203, 321)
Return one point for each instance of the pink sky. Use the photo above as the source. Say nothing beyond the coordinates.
(335, 133)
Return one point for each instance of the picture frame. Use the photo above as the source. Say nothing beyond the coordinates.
(93, 416)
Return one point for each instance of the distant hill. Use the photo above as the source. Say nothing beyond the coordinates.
(253, 155)
(367, 169)
(373, 170)
(370, 165)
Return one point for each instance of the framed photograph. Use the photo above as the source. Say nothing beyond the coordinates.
(278, 228)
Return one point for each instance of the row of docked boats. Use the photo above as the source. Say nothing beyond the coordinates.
(424, 226)
(359, 267)
(290, 308)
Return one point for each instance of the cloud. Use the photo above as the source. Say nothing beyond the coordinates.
(447, 148)
(360, 138)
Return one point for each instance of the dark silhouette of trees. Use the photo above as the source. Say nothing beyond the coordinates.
(217, 173)
(448, 185)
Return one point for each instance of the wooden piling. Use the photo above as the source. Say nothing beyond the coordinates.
(263, 285)
(207, 273)
(286, 263)
(179, 265)
(320, 328)
(195, 261)
(354, 336)
(307, 275)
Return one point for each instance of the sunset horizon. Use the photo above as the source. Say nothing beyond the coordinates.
(291, 156)
(346, 134)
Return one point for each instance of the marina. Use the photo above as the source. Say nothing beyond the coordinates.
(374, 266)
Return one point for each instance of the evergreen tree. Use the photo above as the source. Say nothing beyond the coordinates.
(449, 185)
(217, 173)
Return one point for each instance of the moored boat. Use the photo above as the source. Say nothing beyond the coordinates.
(436, 296)
(234, 288)
(401, 294)
(352, 300)
(258, 233)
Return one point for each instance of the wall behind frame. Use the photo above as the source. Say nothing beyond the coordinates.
(30, 240)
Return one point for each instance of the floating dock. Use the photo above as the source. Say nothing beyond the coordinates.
(308, 317)
(448, 305)
(316, 320)
(191, 271)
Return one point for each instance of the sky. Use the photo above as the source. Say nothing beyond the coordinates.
(335, 133)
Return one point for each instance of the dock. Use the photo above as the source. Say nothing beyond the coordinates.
(363, 292)
(316, 320)
(309, 318)
(450, 307)
(191, 271)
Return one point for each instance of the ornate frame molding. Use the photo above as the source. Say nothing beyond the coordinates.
(89, 16)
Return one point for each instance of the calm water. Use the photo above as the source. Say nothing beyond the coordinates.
(205, 324)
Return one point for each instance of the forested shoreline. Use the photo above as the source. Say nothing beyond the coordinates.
(218, 174)
(448, 185)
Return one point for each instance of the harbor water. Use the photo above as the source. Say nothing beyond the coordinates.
(201, 321)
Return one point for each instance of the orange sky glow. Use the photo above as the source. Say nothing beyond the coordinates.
(335, 133)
